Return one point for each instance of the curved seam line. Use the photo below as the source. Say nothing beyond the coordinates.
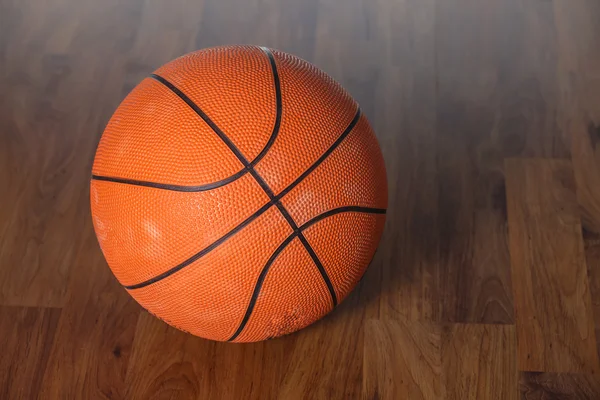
(282, 246)
(327, 153)
(212, 125)
(322, 271)
(278, 106)
(202, 252)
(176, 188)
(204, 117)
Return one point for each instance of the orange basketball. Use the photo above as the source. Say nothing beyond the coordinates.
(238, 193)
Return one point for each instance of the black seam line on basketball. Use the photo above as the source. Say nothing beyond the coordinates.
(202, 252)
(176, 188)
(278, 106)
(205, 117)
(220, 133)
(320, 267)
(274, 200)
(259, 282)
(296, 230)
(359, 209)
(324, 156)
(286, 215)
(263, 185)
(282, 246)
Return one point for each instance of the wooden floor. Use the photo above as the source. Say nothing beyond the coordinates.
(487, 281)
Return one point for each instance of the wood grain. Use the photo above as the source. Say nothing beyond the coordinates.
(580, 84)
(580, 100)
(479, 361)
(95, 331)
(55, 83)
(488, 115)
(280, 24)
(26, 337)
(166, 363)
(423, 360)
(405, 118)
(402, 360)
(579, 81)
(542, 386)
(484, 113)
(592, 258)
(308, 374)
(555, 323)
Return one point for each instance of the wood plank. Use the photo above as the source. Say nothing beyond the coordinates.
(586, 168)
(592, 258)
(541, 386)
(410, 247)
(409, 250)
(578, 32)
(90, 355)
(167, 363)
(402, 359)
(157, 368)
(173, 27)
(286, 25)
(578, 29)
(555, 323)
(499, 85)
(421, 360)
(26, 337)
(496, 98)
(50, 142)
(479, 361)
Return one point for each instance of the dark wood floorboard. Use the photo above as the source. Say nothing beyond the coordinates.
(27, 337)
(548, 386)
(94, 336)
(555, 326)
(486, 284)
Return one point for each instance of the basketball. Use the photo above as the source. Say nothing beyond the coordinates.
(238, 193)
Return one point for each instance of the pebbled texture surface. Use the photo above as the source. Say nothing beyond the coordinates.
(154, 136)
